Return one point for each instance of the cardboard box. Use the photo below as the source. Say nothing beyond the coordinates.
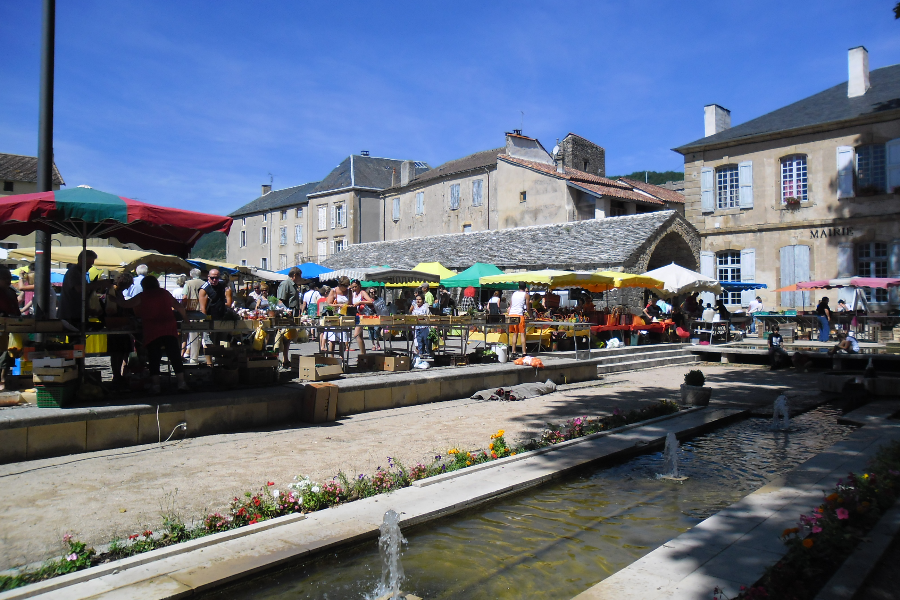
(396, 363)
(319, 368)
(65, 375)
(319, 403)
(370, 361)
(52, 362)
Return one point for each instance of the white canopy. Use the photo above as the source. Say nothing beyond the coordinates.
(679, 280)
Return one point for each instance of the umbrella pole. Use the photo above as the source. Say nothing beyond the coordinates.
(84, 285)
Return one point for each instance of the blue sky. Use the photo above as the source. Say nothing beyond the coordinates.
(193, 103)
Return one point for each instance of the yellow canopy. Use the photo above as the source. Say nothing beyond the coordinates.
(593, 282)
(109, 257)
(629, 280)
(434, 268)
(542, 277)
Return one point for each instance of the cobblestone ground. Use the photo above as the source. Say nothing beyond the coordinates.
(101, 495)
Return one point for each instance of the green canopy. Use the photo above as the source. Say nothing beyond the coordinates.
(470, 277)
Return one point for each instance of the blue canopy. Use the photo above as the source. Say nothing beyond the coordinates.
(740, 286)
(309, 270)
(206, 266)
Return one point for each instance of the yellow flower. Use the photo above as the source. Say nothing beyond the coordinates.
(808, 543)
(468, 463)
(865, 476)
(491, 446)
(513, 454)
(501, 432)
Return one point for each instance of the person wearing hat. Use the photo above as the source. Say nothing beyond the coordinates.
(823, 313)
(467, 302)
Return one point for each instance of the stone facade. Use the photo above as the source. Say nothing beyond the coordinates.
(799, 204)
(584, 155)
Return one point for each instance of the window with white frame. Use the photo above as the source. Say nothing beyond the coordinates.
(263, 235)
(323, 218)
(794, 178)
(340, 211)
(243, 262)
(282, 261)
(728, 268)
(243, 238)
(467, 228)
(340, 245)
(264, 263)
(395, 213)
(727, 187)
(477, 192)
(298, 234)
(300, 213)
(871, 175)
(872, 261)
(244, 221)
(454, 196)
(420, 203)
(282, 236)
(284, 215)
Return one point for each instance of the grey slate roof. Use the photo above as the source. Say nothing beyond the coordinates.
(15, 167)
(288, 197)
(829, 106)
(588, 244)
(478, 160)
(361, 172)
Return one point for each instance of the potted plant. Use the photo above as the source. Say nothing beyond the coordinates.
(693, 392)
(792, 201)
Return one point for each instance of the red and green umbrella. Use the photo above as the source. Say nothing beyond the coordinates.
(84, 212)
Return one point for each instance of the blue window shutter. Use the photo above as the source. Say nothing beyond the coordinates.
(745, 181)
(707, 189)
(708, 268)
(787, 274)
(748, 274)
(801, 272)
(892, 158)
(845, 172)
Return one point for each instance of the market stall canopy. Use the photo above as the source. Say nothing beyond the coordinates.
(740, 286)
(108, 257)
(435, 268)
(309, 270)
(471, 277)
(388, 276)
(358, 273)
(679, 280)
(586, 280)
(267, 275)
(206, 265)
(84, 212)
(630, 280)
(869, 282)
(541, 278)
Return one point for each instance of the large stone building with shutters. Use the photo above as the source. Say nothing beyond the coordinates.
(808, 191)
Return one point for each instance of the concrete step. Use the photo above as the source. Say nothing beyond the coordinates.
(637, 365)
(644, 356)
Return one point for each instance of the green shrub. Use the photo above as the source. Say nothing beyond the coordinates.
(695, 378)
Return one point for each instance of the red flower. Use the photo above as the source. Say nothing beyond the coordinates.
(148, 533)
(270, 483)
(253, 522)
(133, 537)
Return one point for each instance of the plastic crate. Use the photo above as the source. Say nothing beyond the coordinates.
(55, 396)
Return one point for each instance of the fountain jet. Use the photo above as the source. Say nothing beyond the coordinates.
(391, 568)
(670, 459)
(781, 414)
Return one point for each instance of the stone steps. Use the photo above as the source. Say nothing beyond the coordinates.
(636, 361)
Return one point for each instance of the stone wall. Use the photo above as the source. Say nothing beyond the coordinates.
(579, 153)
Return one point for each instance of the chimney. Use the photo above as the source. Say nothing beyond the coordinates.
(393, 177)
(407, 172)
(858, 83)
(715, 119)
(364, 152)
(266, 189)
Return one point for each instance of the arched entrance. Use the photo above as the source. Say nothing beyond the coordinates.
(672, 248)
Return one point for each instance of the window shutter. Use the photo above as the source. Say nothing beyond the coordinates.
(892, 158)
(298, 234)
(344, 211)
(745, 183)
(333, 216)
(396, 215)
(787, 275)
(801, 272)
(707, 191)
(454, 196)
(845, 265)
(845, 172)
(477, 192)
(708, 268)
(748, 274)
(333, 246)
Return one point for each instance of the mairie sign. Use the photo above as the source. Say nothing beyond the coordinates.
(830, 232)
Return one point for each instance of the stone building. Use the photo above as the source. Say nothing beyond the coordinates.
(19, 176)
(271, 231)
(808, 191)
(634, 243)
(518, 185)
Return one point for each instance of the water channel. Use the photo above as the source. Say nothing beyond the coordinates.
(559, 539)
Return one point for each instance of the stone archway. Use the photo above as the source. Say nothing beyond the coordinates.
(672, 248)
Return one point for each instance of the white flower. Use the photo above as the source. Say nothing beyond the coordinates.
(275, 494)
(315, 489)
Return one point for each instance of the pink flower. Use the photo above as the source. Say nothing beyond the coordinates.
(72, 557)
(817, 529)
(67, 537)
(842, 513)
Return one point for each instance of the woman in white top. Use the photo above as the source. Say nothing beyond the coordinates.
(363, 303)
(337, 298)
(518, 307)
(178, 292)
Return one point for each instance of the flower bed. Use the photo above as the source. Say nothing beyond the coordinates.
(304, 495)
(825, 538)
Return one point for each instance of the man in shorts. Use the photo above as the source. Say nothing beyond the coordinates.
(519, 305)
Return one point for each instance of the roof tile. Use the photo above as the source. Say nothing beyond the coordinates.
(15, 167)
